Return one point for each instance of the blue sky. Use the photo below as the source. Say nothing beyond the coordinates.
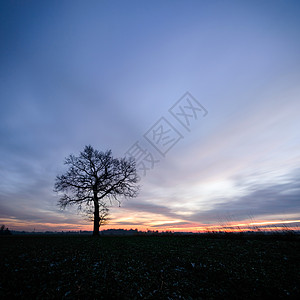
(103, 72)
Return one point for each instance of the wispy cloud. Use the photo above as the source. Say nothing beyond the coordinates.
(104, 73)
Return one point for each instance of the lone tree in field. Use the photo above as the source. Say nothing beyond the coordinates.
(94, 178)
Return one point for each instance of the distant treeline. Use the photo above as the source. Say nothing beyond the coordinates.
(4, 230)
(118, 232)
(136, 232)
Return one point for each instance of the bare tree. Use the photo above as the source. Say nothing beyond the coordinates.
(95, 177)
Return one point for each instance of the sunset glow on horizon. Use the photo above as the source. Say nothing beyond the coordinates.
(261, 226)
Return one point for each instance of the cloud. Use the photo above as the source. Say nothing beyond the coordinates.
(260, 201)
(150, 208)
(103, 74)
(177, 224)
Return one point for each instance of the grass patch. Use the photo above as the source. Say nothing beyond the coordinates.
(148, 267)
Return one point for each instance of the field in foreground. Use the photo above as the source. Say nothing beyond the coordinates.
(148, 267)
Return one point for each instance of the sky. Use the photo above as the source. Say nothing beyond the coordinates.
(110, 73)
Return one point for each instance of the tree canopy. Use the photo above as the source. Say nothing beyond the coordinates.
(95, 177)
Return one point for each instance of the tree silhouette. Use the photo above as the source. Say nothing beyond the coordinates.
(95, 177)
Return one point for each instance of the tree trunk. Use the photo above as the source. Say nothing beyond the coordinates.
(96, 218)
